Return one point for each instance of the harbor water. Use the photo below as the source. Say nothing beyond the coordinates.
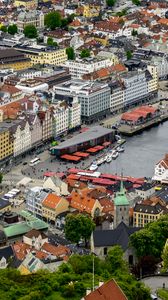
(142, 151)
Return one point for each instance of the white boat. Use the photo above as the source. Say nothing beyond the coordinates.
(114, 154)
(120, 149)
(100, 161)
(108, 158)
(93, 166)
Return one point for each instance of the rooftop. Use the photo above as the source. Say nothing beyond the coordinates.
(92, 133)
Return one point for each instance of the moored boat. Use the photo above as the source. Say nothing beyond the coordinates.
(93, 166)
(114, 154)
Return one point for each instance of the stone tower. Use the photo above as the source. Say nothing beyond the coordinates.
(121, 207)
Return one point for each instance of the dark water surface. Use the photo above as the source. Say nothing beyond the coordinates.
(142, 151)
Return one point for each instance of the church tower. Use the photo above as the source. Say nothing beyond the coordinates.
(121, 207)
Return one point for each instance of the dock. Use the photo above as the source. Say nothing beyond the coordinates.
(129, 130)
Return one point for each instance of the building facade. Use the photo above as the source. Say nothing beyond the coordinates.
(6, 143)
(32, 17)
(12, 59)
(22, 137)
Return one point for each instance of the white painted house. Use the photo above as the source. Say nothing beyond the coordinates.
(161, 170)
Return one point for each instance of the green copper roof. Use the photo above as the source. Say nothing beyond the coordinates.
(121, 198)
(17, 229)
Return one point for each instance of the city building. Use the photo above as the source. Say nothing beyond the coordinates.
(109, 290)
(103, 240)
(94, 98)
(36, 129)
(31, 17)
(5, 206)
(91, 10)
(121, 207)
(84, 203)
(66, 115)
(6, 143)
(161, 170)
(146, 212)
(52, 206)
(94, 136)
(31, 86)
(12, 59)
(47, 124)
(34, 198)
(145, 190)
(27, 4)
(80, 67)
(22, 137)
(116, 97)
(41, 54)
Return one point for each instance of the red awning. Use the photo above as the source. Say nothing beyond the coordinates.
(92, 150)
(71, 157)
(99, 147)
(103, 181)
(81, 154)
(50, 174)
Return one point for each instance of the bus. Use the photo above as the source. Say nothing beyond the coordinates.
(34, 162)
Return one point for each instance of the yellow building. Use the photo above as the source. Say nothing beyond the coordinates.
(144, 214)
(12, 59)
(28, 4)
(53, 205)
(102, 39)
(41, 55)
(6, 143)
(91, 11)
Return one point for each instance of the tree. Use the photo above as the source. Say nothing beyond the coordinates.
(30, 31)
(85, 53)
(78, 227)
(52, 20)
(136, 2)
(115, 261)
(165, 259)
(129, 54)
(70, 52)
(110, 3)
(50, 42)
(3, 28)
(12, 29)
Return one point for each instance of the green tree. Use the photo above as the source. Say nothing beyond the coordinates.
(30, 31)
(110, 3)
(12, 29)
(129, 54)
(70, 52)
(3, 28)
(136, 2)
(85, 53)
(50, 42)
(115, 261)
(165, 259)
(78, 227)
(52, 20)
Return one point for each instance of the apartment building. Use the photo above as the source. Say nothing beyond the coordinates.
(116, 97)
(136, 87)
(80, 67)
(53, 205)
(152, 83)
(146, 213)
(35, 127)
(94, 98)
(6, 143)
(22, 137)
(28, 4)
(45, 116)
(34, 198)
(32, 17)
(66, 115)
(12, 59)
(44, 54)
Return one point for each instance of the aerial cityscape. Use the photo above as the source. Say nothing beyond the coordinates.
(84, 150)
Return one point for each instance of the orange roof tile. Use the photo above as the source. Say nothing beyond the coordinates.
(51, 201)
(108, 206)
(81, 202)
(56, 250)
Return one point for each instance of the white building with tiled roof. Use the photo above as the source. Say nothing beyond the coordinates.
(161, 170)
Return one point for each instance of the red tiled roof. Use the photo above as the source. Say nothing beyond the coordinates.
(92, 150)
(56, 250)
(51, 201)
(108, 291)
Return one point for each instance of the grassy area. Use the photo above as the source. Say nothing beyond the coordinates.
(163, 294)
